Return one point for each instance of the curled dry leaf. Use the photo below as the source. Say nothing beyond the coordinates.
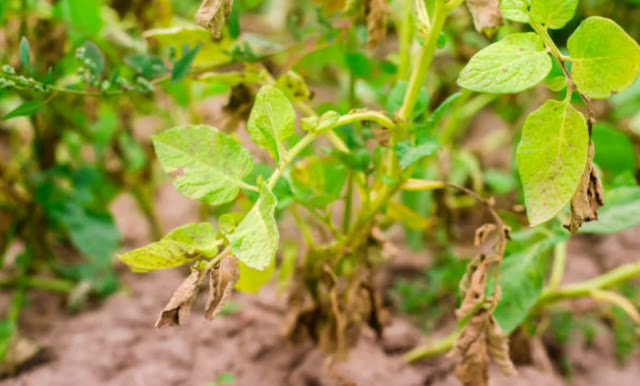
(481, 333)
(471, 351)
(498, 346)
(588, 197)
(486, 15)
(377, 12)
(221, 282)
(179, 307)
(212, 15)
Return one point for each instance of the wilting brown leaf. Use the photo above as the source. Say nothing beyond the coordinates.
(471, 352)
(486, 15)
(588, 198)
(483, 233)
(212, 15)
(498, 346)
(472, 285)
(179, 307)
(377, 12)
(19, 351)
(221, 281)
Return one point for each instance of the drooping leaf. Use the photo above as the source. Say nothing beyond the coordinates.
(221, 281)
(551, 158)
(408, 153)
(553, 14)
(486, 15)
(513, 64)
(206, 164)
(516, 10)
(605, 59)
(24, 110)
(24, 52)
(621, 211)
(255, 240)
(588, 197)
(182, 66)
(176, 312)
(182, 245)
(378, 11)
(212, 15)
(272, 120)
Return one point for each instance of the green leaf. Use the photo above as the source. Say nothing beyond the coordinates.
(515, 63)
(182, 66)
(83, 16)
(516, 10)
(24, 52)
(621, 211)
(150, 66)
(251, 279)
(605, 59)
(317, 181)
(551, 158)
(25, 109)
(615, 152)
(93, 53)
(180, 246)
(272, 120)
(553, 14)
(212, 54)
(437, 115)
(206, 164)
(255, 239)
(396, 98)
(522, 275)
(359, 64)
(408, 153)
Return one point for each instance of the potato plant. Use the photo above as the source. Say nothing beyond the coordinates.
(347, 174)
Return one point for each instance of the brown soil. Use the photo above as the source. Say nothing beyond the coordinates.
(115, 344)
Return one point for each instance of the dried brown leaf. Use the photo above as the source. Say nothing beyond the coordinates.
(498, 347)
(486, 15)
(474, 284)
(221, 282)
(588, 197)
(483, 233)
(471, 351)
(377, 13)
(212, 15)
(179, 307)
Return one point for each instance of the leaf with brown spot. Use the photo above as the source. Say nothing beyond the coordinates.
(486, 15)
(221, 281)
(588, 197)
(179, 307)
(212, 15)
(377, 13)
(498, 347)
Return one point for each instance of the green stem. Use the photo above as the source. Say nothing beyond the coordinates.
(559, 264)
(39, 282)
(438, 347)
(609, 279)
(424, 61)
(406, 36)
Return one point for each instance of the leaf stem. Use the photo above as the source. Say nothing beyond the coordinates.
(559, 264)
(609, 279)
(431, 349)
